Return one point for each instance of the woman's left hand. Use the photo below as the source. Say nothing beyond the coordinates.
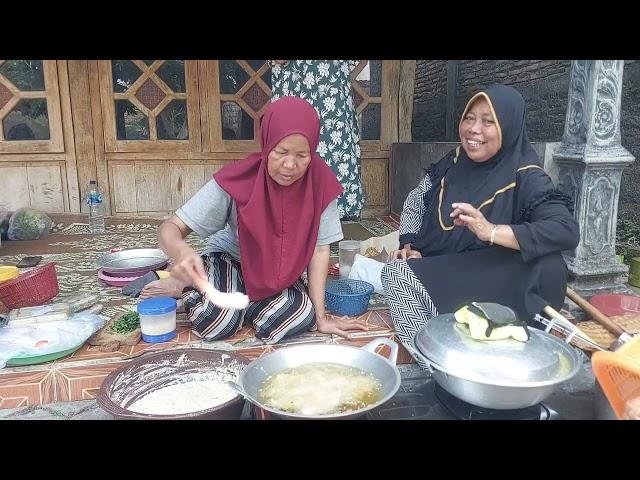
(466, 215)
(340, 325)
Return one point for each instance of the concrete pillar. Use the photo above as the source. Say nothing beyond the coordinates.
(590, 161)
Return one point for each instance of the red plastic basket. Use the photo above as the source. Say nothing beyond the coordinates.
(30, 289)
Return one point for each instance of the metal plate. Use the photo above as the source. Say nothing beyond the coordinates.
(132, 261)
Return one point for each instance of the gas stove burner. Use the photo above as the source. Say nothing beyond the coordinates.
(466, 411)
(429, 401)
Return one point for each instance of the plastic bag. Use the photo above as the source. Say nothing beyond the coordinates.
(28, 224)
(369, 270)
(46, 338)
(5, 216)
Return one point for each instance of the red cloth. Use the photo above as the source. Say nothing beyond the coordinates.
(278, 225)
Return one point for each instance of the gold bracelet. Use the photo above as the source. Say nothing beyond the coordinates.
(493, 234)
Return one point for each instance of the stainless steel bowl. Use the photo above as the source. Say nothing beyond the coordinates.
(132, 261)
(257, 372)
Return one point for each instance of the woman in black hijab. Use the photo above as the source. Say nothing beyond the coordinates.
(485, 224)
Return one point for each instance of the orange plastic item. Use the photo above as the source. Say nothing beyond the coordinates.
(619, 374)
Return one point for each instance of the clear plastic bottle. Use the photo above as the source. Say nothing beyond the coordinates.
(96, 208)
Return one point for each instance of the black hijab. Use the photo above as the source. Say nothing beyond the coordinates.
(490, 185)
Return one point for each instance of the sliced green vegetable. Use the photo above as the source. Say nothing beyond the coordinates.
(126, 323)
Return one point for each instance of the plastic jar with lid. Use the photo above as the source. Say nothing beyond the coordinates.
(157, 319)
(347, 250)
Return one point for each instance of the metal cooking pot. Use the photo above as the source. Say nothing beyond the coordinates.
(258, 371)
(498, 374)
(153, 371)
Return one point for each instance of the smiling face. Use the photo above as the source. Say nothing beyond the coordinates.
(479, 132)
(289, 160)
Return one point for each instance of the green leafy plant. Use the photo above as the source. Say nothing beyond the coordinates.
(627, 238)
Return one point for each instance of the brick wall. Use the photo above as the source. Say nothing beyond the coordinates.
(630, 129)
(430, 95)
(545, 85)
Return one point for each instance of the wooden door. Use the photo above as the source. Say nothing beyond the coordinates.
(37, 157)
(375, 94)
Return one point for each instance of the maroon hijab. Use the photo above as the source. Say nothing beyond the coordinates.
(278, 225)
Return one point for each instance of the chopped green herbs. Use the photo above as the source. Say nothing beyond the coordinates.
(126, 323)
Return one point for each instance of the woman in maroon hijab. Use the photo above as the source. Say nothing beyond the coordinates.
(269, 218)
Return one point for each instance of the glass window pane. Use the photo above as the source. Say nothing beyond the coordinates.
(232, 76)
(236, 123)
(131, 123)
(375, 85)
(171, 123)
(26, 75)
(29, 120)
(370, 122)
(124, 73)
(266, 77)
(172, 73)
(370, 78)
(255, 64)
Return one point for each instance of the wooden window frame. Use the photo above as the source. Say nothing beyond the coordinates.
(55, 144)
(114, 145)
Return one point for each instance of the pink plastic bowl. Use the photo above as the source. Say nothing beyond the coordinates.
(115, 281)
(612, 304)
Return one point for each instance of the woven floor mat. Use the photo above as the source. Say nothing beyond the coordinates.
(630, 323)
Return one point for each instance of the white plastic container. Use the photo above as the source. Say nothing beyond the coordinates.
(157, 319)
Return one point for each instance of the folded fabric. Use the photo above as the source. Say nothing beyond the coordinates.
(134, 288)
(368, 270)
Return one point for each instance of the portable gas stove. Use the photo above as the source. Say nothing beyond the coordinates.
(429, 401)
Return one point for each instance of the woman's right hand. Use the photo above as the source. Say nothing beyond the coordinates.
(189, 267)
(404, 253)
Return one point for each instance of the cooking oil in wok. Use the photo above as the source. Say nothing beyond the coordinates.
(320, 389)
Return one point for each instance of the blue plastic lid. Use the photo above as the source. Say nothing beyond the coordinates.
(157, 306)
(165, 337)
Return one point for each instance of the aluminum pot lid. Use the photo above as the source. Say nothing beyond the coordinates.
(448, 344)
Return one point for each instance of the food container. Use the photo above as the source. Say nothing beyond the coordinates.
(613, 304)
(31, 289)
(496, 374)
(154, 371)
(366, 358)
(54, 312)
(8, 273)
(82, 301)
(157, 319)
(347, 250)
(133, 262)
(348, 296)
